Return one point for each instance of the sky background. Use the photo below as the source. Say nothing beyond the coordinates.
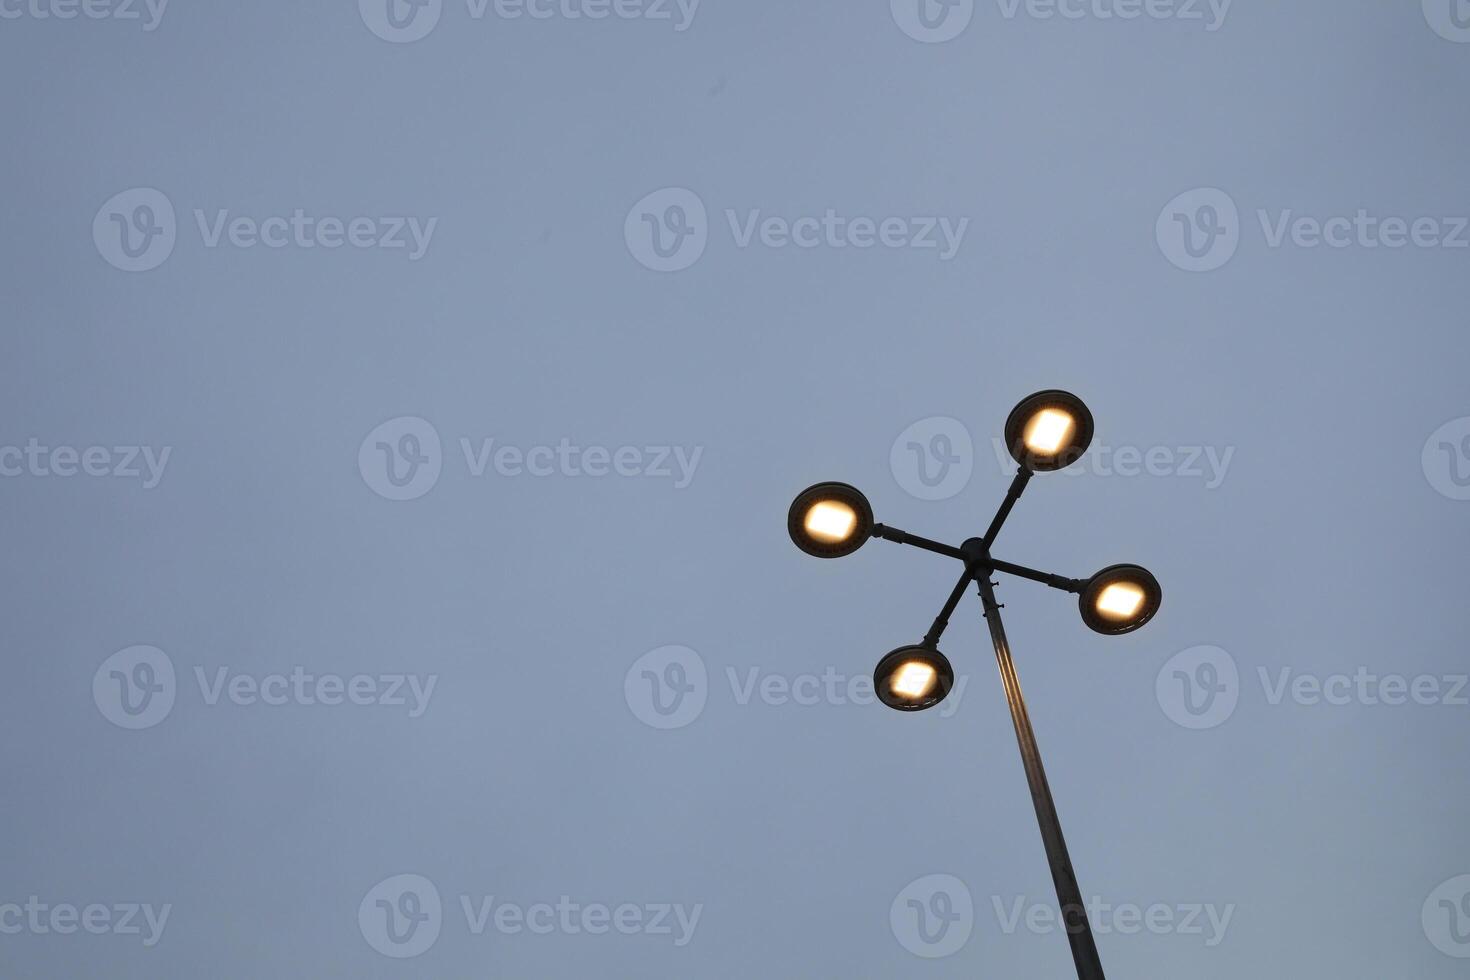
(1120, 184)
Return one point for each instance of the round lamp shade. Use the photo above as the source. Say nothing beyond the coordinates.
(830, 520)
(1120, 599)
(1048, 431)
(913, 678)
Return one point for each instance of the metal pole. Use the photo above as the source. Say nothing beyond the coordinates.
(1074, 914)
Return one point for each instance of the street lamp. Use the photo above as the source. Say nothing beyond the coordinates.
(913, 678)
(1045, 432)
(830, 520)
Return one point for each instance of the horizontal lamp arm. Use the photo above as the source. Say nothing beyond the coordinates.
(1045, 578)
(903, 537)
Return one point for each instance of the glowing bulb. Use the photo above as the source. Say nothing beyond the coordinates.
(1048, 431)
(914, 680)
(831, 521)
(1120, 601)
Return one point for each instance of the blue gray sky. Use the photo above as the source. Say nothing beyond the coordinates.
(403, 400)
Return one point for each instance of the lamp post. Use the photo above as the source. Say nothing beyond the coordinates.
(1045, 432)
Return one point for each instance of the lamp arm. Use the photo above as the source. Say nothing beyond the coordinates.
(931, 639)
(1018, 486)
(903, 537)
(1045, 578)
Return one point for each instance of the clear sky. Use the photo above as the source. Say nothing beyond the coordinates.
(402, 403)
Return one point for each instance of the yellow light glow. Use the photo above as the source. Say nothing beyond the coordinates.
(1049, 431)
(1120, 601)
(831, 521)
(914, 680)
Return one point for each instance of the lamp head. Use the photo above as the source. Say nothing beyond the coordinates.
(1120, 599)
(1048, 431)
(830, 520)
(913, 678)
